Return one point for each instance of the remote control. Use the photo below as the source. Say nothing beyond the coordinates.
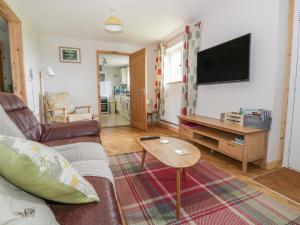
(149, 138)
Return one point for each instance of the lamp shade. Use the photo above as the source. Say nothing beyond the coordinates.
(113, 24)
(49, 72)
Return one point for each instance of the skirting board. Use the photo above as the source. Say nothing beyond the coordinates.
(168, 126)
(273, 164)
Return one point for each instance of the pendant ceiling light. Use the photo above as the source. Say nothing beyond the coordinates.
(113, 24)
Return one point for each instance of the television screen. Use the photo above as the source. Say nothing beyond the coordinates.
(227, 62)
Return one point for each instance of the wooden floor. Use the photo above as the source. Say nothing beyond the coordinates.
(113, 120)
(122, 140)
(288, 185)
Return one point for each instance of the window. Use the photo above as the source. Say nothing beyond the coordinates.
(173, 64)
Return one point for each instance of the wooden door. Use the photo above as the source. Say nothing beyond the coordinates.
(138, 102)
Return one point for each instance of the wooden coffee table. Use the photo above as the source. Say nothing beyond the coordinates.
(166, 154)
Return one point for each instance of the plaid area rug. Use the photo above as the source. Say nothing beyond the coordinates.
(208, 196)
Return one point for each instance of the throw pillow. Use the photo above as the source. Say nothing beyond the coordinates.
(20, 208)
(42, 171)
(7, 126)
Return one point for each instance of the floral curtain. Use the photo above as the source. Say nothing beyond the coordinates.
(159, 82)
(185, 69)
(191, 39)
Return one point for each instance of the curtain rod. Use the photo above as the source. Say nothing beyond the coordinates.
(173, 38)
(181, 33)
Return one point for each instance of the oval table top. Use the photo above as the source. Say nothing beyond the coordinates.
(166, 152)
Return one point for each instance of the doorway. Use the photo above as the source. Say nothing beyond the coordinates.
(16, 50)
(114, 78)
(6, 82)
(121, 84)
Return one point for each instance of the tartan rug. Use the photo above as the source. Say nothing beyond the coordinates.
(208, 196)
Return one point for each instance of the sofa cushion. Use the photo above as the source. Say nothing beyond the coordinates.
(7, 126)
(104, 212)
(19, 207)
(42, 171)
(96, 168)
(82, 151)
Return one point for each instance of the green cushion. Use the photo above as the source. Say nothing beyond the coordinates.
(42, 171)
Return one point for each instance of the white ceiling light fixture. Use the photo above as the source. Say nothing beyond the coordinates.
(113, 24)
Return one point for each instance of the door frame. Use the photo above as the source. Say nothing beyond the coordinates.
(16, 49)
(99, 52)
(286, 105)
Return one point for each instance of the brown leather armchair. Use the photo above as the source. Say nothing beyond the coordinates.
(51, 135)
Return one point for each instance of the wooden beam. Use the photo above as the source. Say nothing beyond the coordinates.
(16, 49)
(7, 13)
(16, 56)
(287, 78)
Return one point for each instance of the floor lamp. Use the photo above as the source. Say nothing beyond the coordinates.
(45, 73)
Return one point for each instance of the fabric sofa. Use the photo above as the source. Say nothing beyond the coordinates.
(64, 138)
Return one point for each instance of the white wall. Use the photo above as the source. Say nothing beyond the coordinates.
(267, 21)
(77, 78)
(32, 56)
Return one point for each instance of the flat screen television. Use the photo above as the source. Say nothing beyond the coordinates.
(227, 62)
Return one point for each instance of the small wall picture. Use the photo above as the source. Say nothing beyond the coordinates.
(69, 55)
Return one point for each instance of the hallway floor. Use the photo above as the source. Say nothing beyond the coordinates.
(113, 120)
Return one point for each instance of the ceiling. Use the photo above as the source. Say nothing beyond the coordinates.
(145, 21)
(115, 60)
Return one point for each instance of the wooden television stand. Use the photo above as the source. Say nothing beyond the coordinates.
(218, 136)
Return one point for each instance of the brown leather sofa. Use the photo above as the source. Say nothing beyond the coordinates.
(106, 211)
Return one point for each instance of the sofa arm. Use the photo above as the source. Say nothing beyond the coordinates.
(70, 130)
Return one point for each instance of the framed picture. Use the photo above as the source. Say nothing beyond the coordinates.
(69, 55)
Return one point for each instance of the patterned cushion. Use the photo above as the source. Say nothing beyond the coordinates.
(72, 117)
(59, 100)
(79, 116)
(55, 119)
(42, 171)
(19, 207)
(7, 126)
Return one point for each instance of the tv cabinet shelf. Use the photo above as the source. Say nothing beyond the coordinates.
(218, 136)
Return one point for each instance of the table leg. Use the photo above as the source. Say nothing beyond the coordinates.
(178, 193)
(183, 174)
(143, 158)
